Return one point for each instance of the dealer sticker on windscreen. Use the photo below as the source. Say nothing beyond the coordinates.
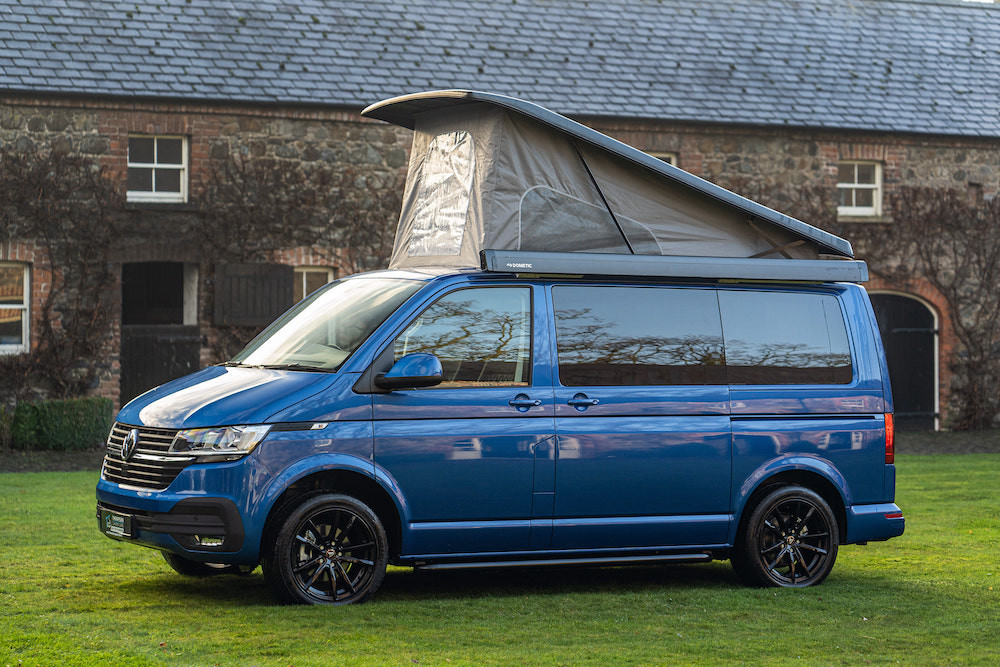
(116, 525)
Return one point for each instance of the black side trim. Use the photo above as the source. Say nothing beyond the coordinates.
(537, 562)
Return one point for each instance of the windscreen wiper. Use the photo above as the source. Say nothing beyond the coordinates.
(296, 367)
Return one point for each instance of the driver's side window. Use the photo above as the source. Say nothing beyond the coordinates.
(481, 335)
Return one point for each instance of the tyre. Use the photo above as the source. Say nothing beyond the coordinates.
(328, 549)
(193, 568)
(790, 539)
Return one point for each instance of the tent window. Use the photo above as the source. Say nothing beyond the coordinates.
(443, 196)
(547, 214)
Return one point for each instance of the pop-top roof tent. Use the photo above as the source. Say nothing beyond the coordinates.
(494, 173)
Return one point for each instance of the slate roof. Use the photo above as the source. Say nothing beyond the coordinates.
(923, 66)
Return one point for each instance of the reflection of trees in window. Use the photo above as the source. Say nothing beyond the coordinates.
(798, 355)
(480, 336)
(785, 338)
(585, 337)
(786, 363)
(594, 350)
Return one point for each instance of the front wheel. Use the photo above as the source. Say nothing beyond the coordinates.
(329, 549)
(790, 540)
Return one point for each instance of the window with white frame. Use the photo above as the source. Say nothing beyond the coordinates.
(14, 310)
(859, 189)
(669, 158)
(308, 279)
(157, 169)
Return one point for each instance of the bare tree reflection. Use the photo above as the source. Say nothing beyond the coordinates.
(596, 351)
(479, 335)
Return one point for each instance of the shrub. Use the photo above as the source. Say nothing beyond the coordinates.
(61, 425)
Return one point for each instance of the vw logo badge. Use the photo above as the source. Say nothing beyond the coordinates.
(128, 445)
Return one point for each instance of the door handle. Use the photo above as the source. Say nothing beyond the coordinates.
(522, 402)
(581, 402)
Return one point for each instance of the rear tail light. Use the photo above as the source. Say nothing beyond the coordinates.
(894, 515)
(890, 439)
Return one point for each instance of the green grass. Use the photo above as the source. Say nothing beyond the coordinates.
(69, 596)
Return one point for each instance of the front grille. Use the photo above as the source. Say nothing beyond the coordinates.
(151, 466)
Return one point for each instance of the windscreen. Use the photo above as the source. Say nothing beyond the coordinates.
(322, 331)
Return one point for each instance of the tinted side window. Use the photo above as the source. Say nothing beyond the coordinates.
(638, 336)
(482, 336)
(784, 338)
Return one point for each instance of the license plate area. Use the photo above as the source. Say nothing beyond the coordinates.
(115, 524)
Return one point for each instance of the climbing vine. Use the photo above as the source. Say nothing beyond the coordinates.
(70, 210)
(938, 235)
(247, 209)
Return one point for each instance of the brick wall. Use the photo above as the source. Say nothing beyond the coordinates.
(781, 157)
(40, 276)
(163, 232)
(809, 157)
(804, 158)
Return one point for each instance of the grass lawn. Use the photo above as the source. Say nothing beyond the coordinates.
(70, 596)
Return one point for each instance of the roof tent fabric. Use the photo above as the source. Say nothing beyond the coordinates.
(492, 172)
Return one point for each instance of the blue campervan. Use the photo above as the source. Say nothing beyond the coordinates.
(579, 354)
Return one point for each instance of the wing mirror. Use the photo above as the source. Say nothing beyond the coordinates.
(419, 369)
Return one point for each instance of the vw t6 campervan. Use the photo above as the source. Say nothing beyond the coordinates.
(536, 380)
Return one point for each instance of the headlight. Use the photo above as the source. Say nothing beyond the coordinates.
(222, 443)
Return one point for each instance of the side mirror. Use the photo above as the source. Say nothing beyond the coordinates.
(419, 369)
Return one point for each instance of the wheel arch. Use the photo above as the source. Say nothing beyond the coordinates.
(347, 482)
(810, 479)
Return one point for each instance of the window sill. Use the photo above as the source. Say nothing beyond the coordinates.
(160, 206)
(864, 218)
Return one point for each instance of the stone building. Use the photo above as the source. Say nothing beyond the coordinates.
(856, 99)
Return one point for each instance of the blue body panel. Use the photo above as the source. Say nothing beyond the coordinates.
(651, 469)
(220, 396)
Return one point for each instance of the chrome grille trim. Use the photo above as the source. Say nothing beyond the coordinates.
(151, 466)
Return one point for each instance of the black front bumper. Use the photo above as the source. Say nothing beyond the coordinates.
(202, 525)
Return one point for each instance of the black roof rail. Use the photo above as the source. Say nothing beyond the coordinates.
(659, 266)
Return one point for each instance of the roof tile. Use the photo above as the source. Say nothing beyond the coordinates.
(935, 69)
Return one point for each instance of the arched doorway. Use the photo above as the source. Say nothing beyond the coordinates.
(910, 336)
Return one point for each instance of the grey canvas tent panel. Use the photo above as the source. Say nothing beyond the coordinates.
(493, 172)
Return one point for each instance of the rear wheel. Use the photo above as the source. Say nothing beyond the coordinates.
(329, 549)
(790, 539)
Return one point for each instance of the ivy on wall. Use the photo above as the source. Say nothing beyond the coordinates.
(252, 207)
(944, 237)
(247, 209)
(67, 206)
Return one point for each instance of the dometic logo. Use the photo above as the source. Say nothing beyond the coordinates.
(518, 265)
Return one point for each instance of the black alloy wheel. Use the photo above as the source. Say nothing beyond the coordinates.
(330, 549)
(790, 540)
